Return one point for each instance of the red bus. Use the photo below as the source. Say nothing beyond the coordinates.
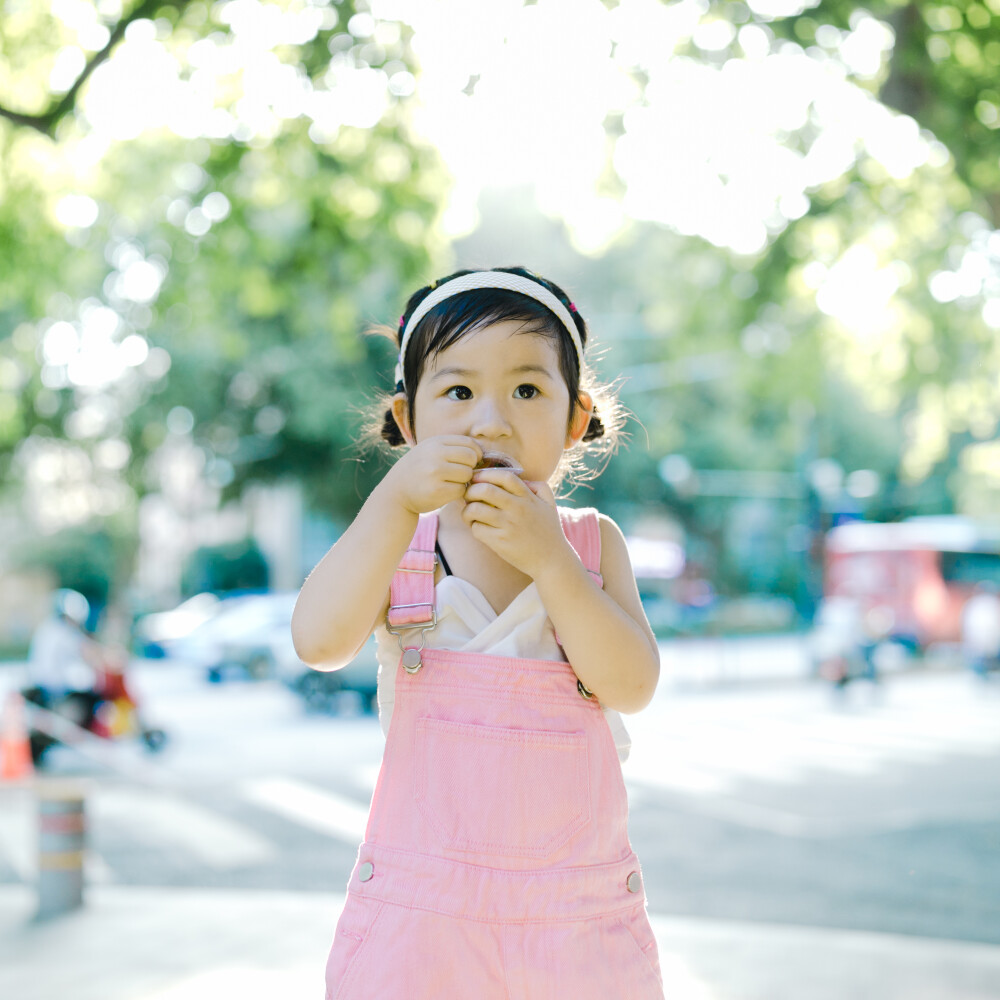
(922, 570)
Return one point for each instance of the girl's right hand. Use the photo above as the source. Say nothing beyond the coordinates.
(433, 472)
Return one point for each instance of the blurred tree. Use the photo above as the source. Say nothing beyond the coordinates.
(193, 258)
(82, 560)
(901, 258)
(202, 204)
(225, 568)
(941, 70)
(865, 326)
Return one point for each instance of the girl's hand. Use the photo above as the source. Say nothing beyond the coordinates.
(433, 472)
(517, 519)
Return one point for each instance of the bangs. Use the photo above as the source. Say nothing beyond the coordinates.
(468, 312)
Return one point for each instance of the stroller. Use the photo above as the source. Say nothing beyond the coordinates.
(109, 712)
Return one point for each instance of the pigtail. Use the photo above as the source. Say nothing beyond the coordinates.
(390, 432)
(595, 429)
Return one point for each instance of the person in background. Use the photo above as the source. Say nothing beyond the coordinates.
(981, 629)
(63, 659)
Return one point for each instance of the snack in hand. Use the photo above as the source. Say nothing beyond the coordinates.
(498, 460)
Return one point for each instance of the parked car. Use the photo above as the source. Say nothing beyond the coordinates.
(221, 642)
(322, 689)
(251, 639)
(156, 634)
(250, 636)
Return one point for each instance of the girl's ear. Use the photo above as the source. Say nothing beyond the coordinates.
(400, 409)
(580, 420)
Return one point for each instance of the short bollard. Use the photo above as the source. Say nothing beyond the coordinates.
(61, 832)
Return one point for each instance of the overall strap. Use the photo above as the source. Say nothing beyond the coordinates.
(411, 611)
(583, 531)
(411, 593)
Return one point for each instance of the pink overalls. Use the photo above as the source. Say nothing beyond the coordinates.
(496, 863)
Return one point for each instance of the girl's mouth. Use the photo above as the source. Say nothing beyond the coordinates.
(498, 460)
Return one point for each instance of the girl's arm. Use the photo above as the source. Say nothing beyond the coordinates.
(604, 633)
(342, 599)
(347, 593)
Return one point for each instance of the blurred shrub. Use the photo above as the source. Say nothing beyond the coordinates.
(76, 558)
(221, 568)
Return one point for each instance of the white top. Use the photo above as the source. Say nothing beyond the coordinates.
(55, 661)
(468, 623)
(981, 625)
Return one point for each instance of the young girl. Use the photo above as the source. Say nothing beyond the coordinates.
(496, 863)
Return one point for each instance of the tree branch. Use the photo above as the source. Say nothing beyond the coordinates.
(48, 120)
(905, 89)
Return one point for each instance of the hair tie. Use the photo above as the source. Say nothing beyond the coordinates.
(489, 279)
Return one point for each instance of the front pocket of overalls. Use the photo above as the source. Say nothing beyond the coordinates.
(509, 792)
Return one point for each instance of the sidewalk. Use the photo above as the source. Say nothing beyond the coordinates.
(190, 944)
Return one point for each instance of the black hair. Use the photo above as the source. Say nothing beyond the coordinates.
(468, 311)
(465, 312)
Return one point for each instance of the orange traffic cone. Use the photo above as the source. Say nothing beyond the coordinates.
(15, 750)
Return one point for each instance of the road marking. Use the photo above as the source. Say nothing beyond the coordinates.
(168, 820)
(658, 770)
(707, 747)
(317, 809)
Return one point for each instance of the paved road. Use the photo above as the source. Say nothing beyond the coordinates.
(770, 804)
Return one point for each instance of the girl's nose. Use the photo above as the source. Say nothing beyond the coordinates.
(489, 419)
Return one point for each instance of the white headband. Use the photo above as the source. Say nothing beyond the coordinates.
(490, 279)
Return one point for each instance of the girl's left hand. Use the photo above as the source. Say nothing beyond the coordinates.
(517, 519)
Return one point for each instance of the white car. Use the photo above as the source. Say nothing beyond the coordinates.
(250, 635)
(254, 638)
(158, 633)
(234, 635)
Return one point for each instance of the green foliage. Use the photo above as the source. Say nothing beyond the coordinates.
(273, 242)
(902, 391)
(224, 568)
(81, 560)
(271, 253)
(942, 70)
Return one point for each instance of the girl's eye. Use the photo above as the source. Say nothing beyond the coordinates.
(526, 391)
(459, 392)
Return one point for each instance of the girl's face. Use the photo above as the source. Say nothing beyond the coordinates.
(504, 388)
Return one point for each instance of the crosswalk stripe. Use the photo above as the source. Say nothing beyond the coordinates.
(707, 748)
(702, 747)
(649, 770)
(167, 820)
(317, 809)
